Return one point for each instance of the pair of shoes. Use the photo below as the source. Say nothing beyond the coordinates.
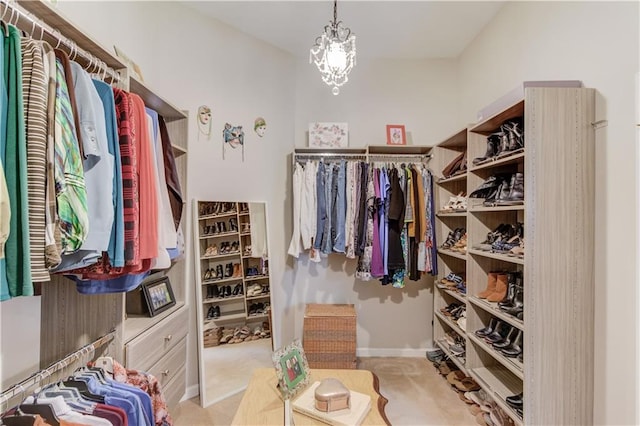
(213, 312)
(501, 190)
(233, 225)
(457, 203)
(246, 227)
(254, 290)
(247, 250)
(507, 140)
(516, 401)
(497, 285)
(453, 279)
(453, 237)
(462, 382)
(504, 231)
(251, 272)
(504, 338)
(213, 292)
(457, 166)
(212, 250)
(258, 308)
(513, 302)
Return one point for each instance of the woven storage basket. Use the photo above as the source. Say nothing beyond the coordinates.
(212, 337)
(329, 336)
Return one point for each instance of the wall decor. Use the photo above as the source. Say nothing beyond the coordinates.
(396, 134)
(204, 122)
(328, 135)
(159, 295)
(260, 126)
(233, 136)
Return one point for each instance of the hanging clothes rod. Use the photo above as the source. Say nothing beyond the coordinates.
(36, 378)
(397, 157)
(12, 14)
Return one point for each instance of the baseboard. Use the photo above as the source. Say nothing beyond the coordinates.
(191, 392)
(387, 352)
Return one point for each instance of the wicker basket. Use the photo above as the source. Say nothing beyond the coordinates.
(329, 336)
(212, 337)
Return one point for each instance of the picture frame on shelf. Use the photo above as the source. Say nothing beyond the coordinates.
(158, 295)
(396, 134)
(292, 369)
(328, 135)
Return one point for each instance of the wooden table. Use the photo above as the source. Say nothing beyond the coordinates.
(262, 405)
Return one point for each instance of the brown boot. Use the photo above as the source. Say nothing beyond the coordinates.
(501, 289)
(491, 286)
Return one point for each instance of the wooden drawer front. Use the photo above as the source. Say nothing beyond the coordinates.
(146, 349)
(175, 388)
(167, 367)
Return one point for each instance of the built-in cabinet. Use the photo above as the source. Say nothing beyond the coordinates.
(555, 371)
(69, 319)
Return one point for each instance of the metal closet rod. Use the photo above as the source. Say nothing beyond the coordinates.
(36, 378)
(74, 49)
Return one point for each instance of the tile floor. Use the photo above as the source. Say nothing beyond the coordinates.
(417, 395)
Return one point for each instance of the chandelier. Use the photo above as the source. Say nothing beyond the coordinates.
(334, 52)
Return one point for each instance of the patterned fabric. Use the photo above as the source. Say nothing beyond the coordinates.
(69, 175)
(18, 270)
(34, 91)
(149, 384)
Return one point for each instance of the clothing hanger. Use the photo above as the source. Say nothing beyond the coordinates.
(19, 420)
(106, 364)
(46, 410)
(84, 390)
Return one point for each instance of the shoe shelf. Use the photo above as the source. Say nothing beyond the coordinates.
(217, 216)
(518, 157)
(244, 234)
(452, 253)
(452, 214)
(220, 256)
(498, 384)
(496, 208)
(492, 308)
(255, 277)
(260, 296)
(454, 178)
(461, 297)
(222, 234)
(458, 361)
(222, 299)
(512, 365)
(498, 256)
(454, 326)
(254, 316)
(225, 280)
(230, 316)
(490, 124)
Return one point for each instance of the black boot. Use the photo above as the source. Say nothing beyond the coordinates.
(507, 341)
(219, 272)
(487, 330)
(517, 305)
(511, 291)
(492, 147)
(515, 348)
(516, 191)
(515, 400)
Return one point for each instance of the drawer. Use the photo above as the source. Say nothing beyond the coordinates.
(145, 350)
(165, 369)
(175, 388)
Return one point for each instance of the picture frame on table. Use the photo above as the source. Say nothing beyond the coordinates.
(158, 295)
(396, 134)
(292, 369)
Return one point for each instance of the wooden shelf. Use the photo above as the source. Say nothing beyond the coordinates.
(222, 299)
(224, 234)
(256, 277)
(496, 208)
(457, 140)
(155, 102)
(261, 296)
(493, 123)
(512, 365)
(492, 308)
(508, 159)
(452, 254)
(398, 150)
(455, 359)
(452, 214)
(503, 257)
(137, 324)
(338, 151)
(499, 385)
(226, 280)
(455, 178)
(257, 316)
(178, 151)
(450, 323)
(235, 315)
(461, 297)
(221, 256)
(217, 216)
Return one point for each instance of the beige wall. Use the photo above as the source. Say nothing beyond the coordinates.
(596, 42)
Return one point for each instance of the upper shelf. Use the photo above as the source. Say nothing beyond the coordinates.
(155, 102)
(492, 123)
(457, 141)
(398, 149)
(54, 19)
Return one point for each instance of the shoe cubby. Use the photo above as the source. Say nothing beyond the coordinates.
(531, 169)
(234, 287)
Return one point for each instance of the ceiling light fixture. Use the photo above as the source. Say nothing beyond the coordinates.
(334, 52)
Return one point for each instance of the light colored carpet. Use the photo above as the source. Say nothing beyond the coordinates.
(229, 367)
(417, 395)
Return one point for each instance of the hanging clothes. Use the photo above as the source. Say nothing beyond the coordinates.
(171, 174)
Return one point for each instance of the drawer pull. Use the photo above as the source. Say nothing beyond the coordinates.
(165, 373)
(168, 338)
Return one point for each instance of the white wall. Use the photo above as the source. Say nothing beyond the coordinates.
(422, 95)
(596, 42)
(19, 331)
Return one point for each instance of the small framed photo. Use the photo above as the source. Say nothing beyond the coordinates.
(292, 369)
(396, 134)
(158, 295)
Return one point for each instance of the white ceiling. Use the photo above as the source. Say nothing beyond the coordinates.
(384, 29)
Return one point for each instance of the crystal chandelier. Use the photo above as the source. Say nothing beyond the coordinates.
(334, 52)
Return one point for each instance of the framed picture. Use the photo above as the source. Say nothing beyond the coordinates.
(328, 135)
(292, 369)
(158, 295)
(396, 134)
(132, 66)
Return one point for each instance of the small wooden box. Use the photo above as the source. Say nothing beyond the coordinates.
(212, 337)
(329, 336)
